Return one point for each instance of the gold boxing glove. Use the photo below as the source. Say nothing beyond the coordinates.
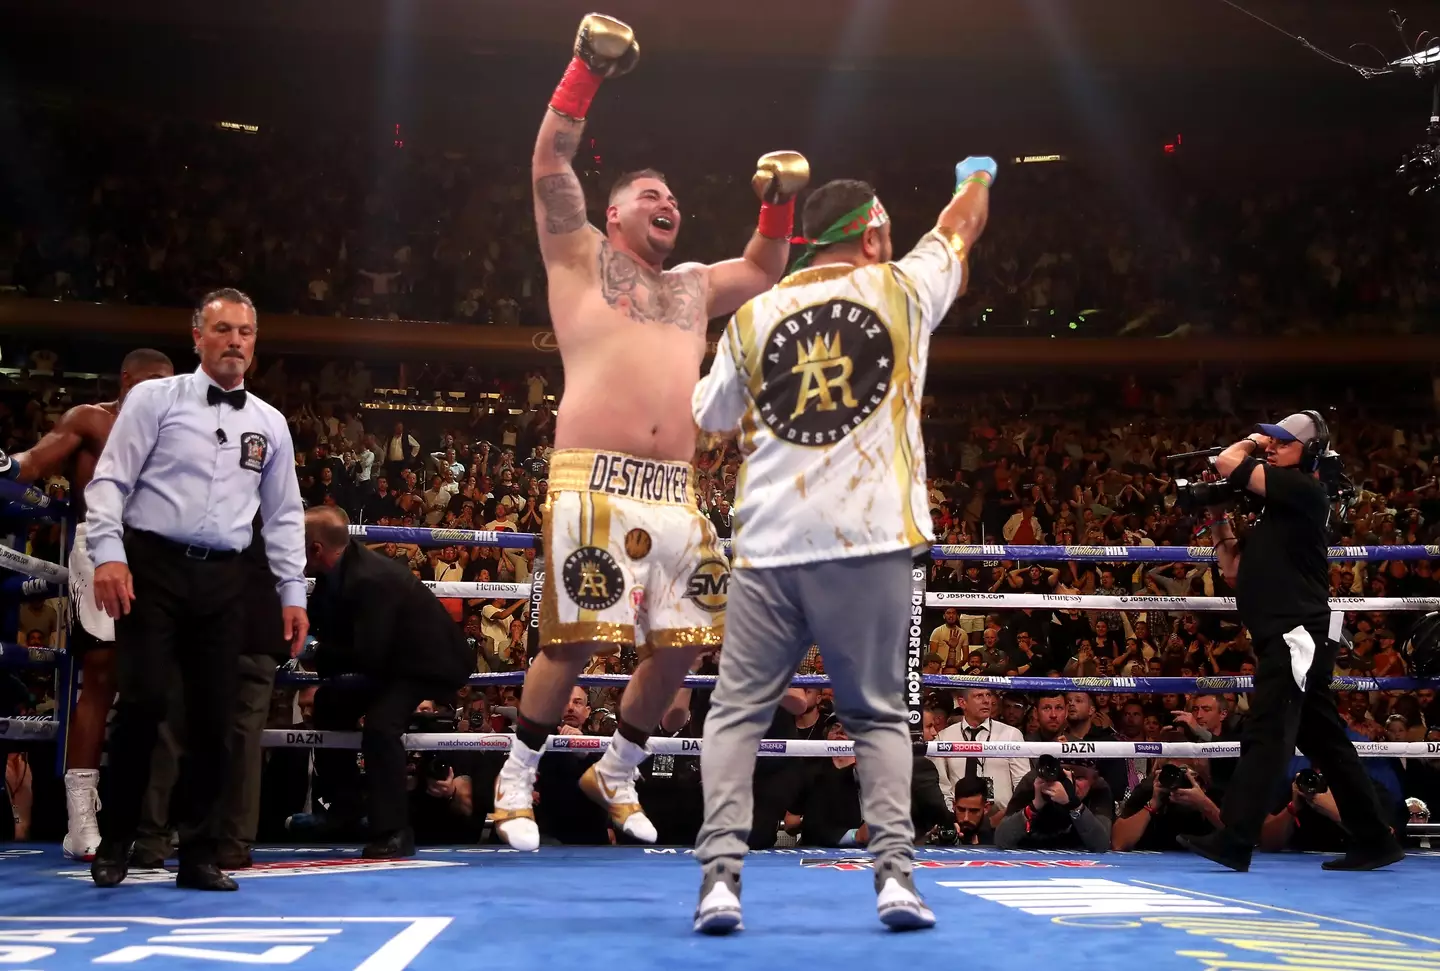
(606, 45)
(779, 177)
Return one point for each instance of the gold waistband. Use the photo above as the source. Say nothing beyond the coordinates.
(618, 474)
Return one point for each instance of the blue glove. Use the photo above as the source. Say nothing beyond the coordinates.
(9, 468)
(972, 165)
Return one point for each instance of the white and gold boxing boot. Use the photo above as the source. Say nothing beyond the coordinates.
(611, 783)
(514, 815)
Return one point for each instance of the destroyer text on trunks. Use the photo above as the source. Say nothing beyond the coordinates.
(622, 475)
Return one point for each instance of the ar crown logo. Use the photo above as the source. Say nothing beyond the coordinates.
(824, 371)
(815, 378)
(593, 579)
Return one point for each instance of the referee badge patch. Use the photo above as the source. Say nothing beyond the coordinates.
(254, 448)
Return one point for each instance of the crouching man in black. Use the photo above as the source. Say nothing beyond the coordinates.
(374, 619)
(1058, 807)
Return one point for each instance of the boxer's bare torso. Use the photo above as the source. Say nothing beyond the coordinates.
(631, 340)
(72, 448)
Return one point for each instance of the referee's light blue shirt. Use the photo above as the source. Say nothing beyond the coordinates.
(165, 470)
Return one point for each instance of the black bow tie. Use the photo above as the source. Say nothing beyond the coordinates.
(235, 399)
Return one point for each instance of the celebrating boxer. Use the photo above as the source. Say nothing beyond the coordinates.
(825, 373)
(631, 561)
(71, 449)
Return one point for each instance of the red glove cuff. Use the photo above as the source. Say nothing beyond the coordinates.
(777, 220)
(576, 90)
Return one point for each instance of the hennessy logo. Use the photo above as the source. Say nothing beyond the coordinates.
(814, 365)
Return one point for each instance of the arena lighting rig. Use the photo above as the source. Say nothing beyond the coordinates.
(1421, 165)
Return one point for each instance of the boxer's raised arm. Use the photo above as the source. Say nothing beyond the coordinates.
(604, 48)
(778, 178)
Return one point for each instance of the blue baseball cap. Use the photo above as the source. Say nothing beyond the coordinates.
(1296, 428)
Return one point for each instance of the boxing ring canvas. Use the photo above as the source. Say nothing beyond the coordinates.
(567, 907)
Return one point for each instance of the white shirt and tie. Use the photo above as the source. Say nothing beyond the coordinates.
(1005, 774)
(192, 463)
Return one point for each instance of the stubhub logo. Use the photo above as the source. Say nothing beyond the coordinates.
(771, 745)
(1147, 748)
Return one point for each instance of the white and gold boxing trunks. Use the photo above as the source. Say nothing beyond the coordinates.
(83, 608)
(630, 560)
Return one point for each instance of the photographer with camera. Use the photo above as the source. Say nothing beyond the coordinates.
(1281, 581)
(1310, 818)
(374, 619)
(1171, 802)
(1058, 807)
(442, 785)
(971, 807)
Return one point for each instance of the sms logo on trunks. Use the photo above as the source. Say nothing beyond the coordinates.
(709, 585)
(1147, 748)
(573, 742)
(826, 369)
(593, 578)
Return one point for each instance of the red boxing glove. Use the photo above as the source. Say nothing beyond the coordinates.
(777, 219)
(576, 90)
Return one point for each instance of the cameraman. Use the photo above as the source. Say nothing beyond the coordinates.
(1281, 582)
(1171, 802)
(443, 785)
(1310, 820)
(1058, 808)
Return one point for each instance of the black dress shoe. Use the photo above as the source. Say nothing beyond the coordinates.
(1218, 849)
(203, 876)
(110, 865)
(396, 846)
(1369, 858)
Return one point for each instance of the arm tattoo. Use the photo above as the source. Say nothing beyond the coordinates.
(562, 201)
(565, 143)
(649, 297)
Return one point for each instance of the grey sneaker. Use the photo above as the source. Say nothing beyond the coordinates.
(719, 908)
(897, 901)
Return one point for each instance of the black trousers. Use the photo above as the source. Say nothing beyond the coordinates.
(186, 618)
(387, 707)
(1281, 718)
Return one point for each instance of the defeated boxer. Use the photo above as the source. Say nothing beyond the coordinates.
(71, 449)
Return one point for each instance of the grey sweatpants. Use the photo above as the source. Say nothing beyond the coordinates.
(858, 612)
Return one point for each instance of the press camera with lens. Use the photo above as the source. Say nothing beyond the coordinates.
(430, 765)
(1173, 777)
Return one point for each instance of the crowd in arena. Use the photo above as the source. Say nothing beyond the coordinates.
(126, 208)
(130, 209)
(1015, 466)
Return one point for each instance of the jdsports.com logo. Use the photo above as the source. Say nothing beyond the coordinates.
(912, 658)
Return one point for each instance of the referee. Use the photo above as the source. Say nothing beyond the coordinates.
(1281, 589)
(175, 492)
